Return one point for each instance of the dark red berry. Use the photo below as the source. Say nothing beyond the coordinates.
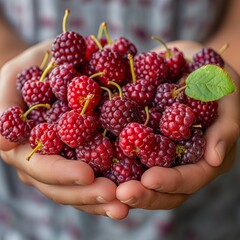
(162, 155)
(140, 91)
(205, 112)
(207, 56)
(166, 94)
(14, 125)
(117, 113)
(36, 92)
(151, 67)
(59, 79)
(44, 139)
(91, 46)
(68, 153)
(176, 122)
(176, 63)
(136, 139)
(26, 75)
(58, 108)
(124, 170)
(69, 47)
(191, 150)
(112, 64)
(98, 153)
(75, 129)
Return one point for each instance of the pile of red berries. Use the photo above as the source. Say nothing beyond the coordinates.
(102, 102)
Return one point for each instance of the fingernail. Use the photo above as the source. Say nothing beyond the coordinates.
(109, 214)
(101, 199)
(130, 201)
(221, 150)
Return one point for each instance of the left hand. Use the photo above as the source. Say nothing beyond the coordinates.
(167, 188)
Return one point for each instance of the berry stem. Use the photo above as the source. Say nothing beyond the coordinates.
(147, 115)
(100, 31)
(118, 87)
(64, 23)
(105, 29)
(108, 91)
(175, 92)
(45, 59)
(45, 105)
(89, 97)
(97, 42)
(164, 44)
(45, 72)
(223, 48)
(97, 74)
(38, 147)
(130, 58)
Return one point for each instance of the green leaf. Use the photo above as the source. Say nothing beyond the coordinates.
(209, 83)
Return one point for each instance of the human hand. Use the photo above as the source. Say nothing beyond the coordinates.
(67, 182)
(167, 188)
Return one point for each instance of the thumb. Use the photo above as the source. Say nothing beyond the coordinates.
(220, 139)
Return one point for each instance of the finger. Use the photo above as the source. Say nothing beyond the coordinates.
(102, 190)
(115, 209)
(49, 169)
(185, 179)
(134, 194)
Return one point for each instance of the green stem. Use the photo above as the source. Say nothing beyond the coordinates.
(147, 115)
(130, 58)
(45, 105)
(38, 147)
(64, 23)
(89, 97)
(45, 59)
(45, 72)
(105, 29)
(109, 92)
(97, 42)
(164, 44)
(100, 31)
(118, 87)
(97, 74)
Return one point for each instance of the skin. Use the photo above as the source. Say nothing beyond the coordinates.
(72, 182)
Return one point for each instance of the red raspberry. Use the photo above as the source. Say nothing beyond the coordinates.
(140, 91)
(117, 113)
(191, 150)
(136, 139)
(44, 139)
(59, 79)
(91, 46)
(83, 88)
(98, 153)
(75, 129)
(69, 47)
(166, 95)
(117, 150)
(176, 63)
(112, 64)
(205, 112)
(26, 75)
(163, 154)
(58, 108)
(207, 56)
(176, 122)
(35, 91)
(14, 125)
(151, 67)
(124, 170)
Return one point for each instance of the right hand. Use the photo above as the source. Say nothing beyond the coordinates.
(67, 182)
